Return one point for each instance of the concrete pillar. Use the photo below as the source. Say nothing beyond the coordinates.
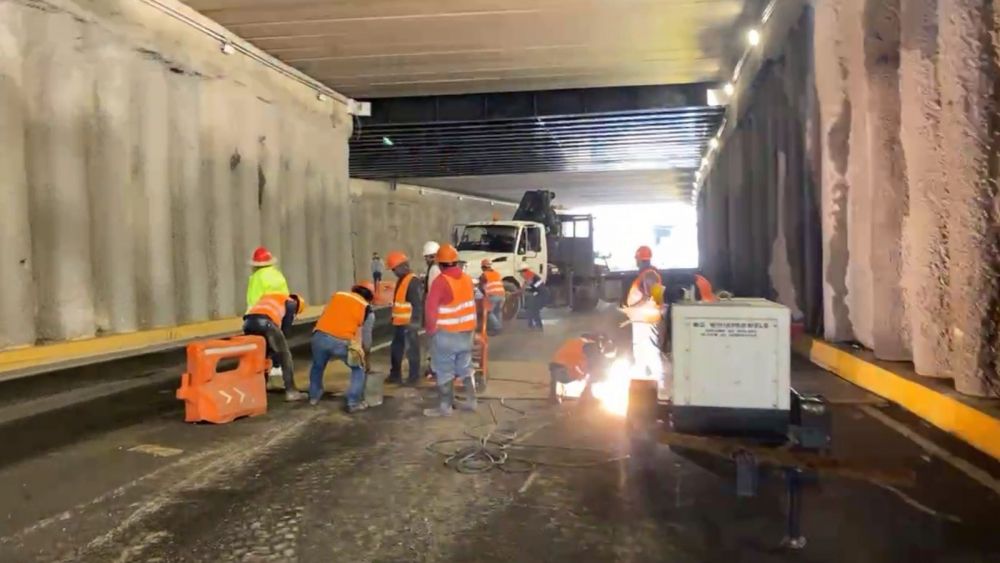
(215, 189)
(109, 157)
(17, 300)
(886, 179)
(59, 89)
(189, 210)
(312, 216)
(151, 205)
(243, 164)
(925, 263)
(968, 106)
(835, 110)
(269, 181)
(293, 257)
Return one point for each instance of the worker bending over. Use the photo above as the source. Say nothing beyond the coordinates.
(491, 284)
(272, 317)
(645, 316)
(344, 332)
(535, 294)
(451, 321)
(407, 314)
(579, 359)
(266, 277)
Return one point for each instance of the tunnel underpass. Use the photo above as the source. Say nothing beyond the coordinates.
(827, 168)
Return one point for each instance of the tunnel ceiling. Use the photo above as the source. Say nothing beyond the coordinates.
(389, 48)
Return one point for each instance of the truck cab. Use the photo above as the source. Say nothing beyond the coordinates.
(511, 245)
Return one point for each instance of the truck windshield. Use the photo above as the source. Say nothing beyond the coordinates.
(490, 238)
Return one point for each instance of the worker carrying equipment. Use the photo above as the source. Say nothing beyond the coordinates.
(266, 277)
(491, 285)
(579, 359)
(451, 321)
(407, 315)
(344, 332)
(645, 316)
(272, 317)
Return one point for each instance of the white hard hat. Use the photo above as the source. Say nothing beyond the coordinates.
(431, 247)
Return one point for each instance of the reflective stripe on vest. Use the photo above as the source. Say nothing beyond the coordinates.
(402, 310)
(272, 306)
(494, 284)
(343, 316)
(460, 314)
(644, 309)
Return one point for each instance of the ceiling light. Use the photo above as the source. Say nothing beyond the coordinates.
(704, 161)
(753, 37)
(714, 143)
(228, 48)
(321, 97)
(729, 88)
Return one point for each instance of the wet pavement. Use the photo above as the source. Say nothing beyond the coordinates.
(313, 484)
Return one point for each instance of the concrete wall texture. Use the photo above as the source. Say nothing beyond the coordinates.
(905, 143)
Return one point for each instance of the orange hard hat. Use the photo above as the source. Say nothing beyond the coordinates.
(262, 257)
(395, 259)
(644, 253)
(486, 263)
(447, 254)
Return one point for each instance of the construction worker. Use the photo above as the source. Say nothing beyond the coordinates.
(491, 284)
(344, 332)
(266, 277)
(430, 257)
(407, 314)
(377, 267)
(535, 294)
(579, 359)
(272, 317)
(451, 321)
(645, 316)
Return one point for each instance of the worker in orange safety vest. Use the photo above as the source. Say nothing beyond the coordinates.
(344, 332)
(451, 321)
(579, 359)
(272, 317)
(407, 315)
(491, 285)
(645, 316)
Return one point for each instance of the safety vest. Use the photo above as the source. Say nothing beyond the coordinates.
(402, 310)
(265, 280)
(460, 314)
(704, 288)
(494, 284)
(643, 308)
(343, 316)
(571, 355)
(272, 306)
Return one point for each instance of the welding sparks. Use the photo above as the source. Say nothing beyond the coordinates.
(613, 391)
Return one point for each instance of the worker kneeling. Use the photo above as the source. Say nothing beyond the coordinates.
(344, 332)
(580, 359)
(272, 316)
(407, 312)
(451, 322)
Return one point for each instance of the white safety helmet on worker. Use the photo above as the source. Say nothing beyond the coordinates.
(431, 248)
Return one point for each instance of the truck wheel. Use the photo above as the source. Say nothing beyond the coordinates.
(512, 304)
(584, 299)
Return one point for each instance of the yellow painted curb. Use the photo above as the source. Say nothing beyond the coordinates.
(38, 357)
(975, 427)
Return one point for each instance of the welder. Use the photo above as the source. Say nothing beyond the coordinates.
(579, 359)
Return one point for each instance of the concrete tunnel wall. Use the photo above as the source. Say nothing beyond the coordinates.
(140, 166)
(895, 106)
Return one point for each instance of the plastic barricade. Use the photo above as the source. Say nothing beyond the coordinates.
(220, 397)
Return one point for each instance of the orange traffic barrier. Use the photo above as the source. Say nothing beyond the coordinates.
(219, 397)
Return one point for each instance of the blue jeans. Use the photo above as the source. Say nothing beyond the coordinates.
(325, 348)
(451, 356)
(494, 322)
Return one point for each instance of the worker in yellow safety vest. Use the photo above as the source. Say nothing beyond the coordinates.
(407, 315)
(645, 316)
(272, 317)
(266, 277)
(451, 321)
(344, 332)
(491, 285)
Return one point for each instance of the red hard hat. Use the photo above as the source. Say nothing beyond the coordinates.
(262, 257)
(644, 253)
(486, 263)
(395, 259)
(447, 254)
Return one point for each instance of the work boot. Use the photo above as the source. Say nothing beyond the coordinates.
(394, 379)
(293, 395)
(469, 404)
(447, 398)
(351, 409)
(275, 379)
